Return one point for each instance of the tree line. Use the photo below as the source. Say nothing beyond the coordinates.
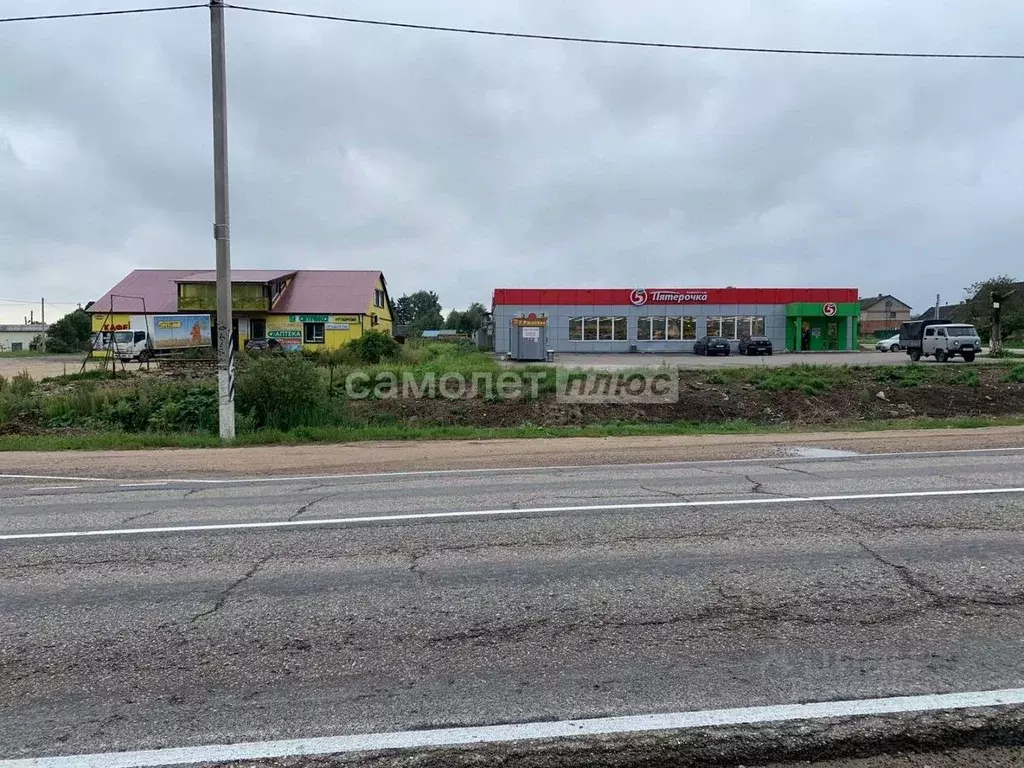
(421, 311)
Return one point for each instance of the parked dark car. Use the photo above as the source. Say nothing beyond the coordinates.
(711, 345)
(262, 345)
(756, 345)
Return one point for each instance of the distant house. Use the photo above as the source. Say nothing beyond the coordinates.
(883, 312)
(948, 313)
(300, 308)
(18, 338)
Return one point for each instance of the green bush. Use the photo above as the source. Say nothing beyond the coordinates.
(279, 391)
(1015, 375)
(967, 377)
(21, 384)
(902, 376)
(810, 380)
(374, 347)
(192, 410)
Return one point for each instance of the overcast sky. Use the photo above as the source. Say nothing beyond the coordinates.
(461, 164)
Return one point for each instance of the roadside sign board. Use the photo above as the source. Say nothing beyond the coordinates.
(830, 309)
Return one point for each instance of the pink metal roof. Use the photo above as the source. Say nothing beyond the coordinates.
(328, 291)
(158, 286)
(238, 276)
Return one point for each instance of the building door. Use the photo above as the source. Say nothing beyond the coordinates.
(257, 328)
(832, 335)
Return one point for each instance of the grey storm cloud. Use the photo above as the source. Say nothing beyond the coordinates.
(461, 163)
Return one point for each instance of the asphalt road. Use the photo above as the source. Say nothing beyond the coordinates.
(742, 594)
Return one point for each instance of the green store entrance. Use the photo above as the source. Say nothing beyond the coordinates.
(829, 327)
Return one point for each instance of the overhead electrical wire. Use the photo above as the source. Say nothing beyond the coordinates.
(530, 35)
(96, 14)
(619, 42)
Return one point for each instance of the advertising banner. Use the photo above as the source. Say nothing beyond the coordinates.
(181, 331)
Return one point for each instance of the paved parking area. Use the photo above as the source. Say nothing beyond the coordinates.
(611, 361)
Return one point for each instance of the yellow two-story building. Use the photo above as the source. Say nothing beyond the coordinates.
(307, 308)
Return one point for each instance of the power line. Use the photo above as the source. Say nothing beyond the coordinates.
(629, 43)
(94, 14)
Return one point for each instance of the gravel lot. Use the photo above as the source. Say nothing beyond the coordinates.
(611, 361)
(50, 365)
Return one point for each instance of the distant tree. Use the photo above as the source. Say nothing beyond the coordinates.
(977, 307)
(70, 333)
(469, 321)
(420, 311)
(403, 311)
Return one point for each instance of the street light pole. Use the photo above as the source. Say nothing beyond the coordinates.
(221, 231)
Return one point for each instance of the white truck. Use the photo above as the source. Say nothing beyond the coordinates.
(151, 336)
(923, 338)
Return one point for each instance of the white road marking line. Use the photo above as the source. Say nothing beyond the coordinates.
(154, 484)
(493, 734)
(55, 487)
(324, 522)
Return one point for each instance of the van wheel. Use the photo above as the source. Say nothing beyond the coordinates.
(145, 356)
(894, 348)
(915, 355)
(968, 357)
(941, 356)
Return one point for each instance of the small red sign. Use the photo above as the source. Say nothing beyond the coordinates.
(830, 309)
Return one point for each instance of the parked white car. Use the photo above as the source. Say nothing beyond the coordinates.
(892, 344)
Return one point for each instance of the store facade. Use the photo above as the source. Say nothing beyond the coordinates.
(670, 320)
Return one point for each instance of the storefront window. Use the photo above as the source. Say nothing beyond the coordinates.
(674, 331)
(729, 327)
(714, 326)
(757, 326)
(658, 328)
(575, 329)
(643, 329)
(604, 328)
(689, 328)
(590, 329)
(313, 333)
(621, 329)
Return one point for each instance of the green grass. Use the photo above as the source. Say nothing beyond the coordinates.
(313, 435)
(22, 353)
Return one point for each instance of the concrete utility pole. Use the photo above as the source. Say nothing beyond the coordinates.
(42, 319)
(938, 300)
(221, 231)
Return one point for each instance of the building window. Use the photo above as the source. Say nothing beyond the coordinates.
(892, 315)
(598, 329)
(729, 327)
(378, 297)
(714, 326)
(666, 328)
(313, 333)
(17, 346)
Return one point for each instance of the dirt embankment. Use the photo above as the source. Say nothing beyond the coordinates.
(797, 398)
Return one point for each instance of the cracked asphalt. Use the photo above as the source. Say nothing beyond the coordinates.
(176, 639)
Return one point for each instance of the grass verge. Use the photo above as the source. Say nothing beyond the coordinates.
(312, 435)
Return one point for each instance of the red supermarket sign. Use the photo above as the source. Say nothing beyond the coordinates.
(830, 309)
(642, 296)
